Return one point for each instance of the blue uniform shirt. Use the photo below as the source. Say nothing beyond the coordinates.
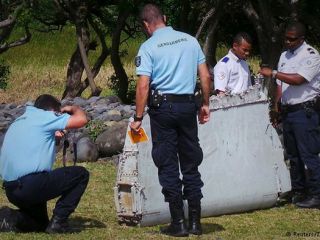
(170, 58)
(29, 144)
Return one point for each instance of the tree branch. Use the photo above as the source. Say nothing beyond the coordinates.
(208, 16)
(26, 38)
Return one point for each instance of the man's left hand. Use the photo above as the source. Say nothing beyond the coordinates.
(59, 134)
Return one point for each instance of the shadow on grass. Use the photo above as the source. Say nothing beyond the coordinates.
(9, 218)
(207, 228)
(78, 224)
(212, 227)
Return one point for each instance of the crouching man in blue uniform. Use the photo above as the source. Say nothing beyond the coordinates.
(27, 156)
(298, 79)
(167, 65)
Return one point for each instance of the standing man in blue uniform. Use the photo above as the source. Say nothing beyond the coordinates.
(298, 78)
(27, 156)
(232, 73)
(167, 65)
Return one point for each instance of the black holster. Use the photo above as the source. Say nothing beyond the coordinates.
(155, 98)
(198, 96)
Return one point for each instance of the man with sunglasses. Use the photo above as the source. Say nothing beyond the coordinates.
(298, 79)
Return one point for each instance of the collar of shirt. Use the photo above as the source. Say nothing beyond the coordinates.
(297, 50)
(162, 29)
(233, 56)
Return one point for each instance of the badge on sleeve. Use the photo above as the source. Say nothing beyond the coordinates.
(137, 61)
(221, 76)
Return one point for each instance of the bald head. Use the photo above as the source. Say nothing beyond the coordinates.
(151, 14)
(297, 27)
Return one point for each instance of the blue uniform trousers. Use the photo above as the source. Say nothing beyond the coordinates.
(175, 142)
(301, 135)
(30, 193)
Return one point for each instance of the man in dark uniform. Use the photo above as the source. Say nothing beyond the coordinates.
(167, 65)
(27, 156)
(298, 79)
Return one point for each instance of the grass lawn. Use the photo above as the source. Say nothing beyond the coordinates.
(96, 218)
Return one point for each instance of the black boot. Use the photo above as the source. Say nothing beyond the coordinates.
(298, 196)
(58, 225)
(194, 217)
(26, 223)
(177, 227)
(311, 202)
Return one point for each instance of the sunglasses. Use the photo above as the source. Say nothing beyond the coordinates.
(291, 39)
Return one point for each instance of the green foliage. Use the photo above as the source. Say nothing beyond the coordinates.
(4, 74)
(114, 84)
(95, 218)
(95, 127)
(53, 48)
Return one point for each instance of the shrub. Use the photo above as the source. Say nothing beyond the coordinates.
(95, 127)
(114, 84)
(4, 74)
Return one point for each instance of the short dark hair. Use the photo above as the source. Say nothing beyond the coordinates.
(47, 102)
(242, 36)
(297, 27)
(151, 13)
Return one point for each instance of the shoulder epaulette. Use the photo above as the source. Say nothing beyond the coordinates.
(225, 59)
(311, 51)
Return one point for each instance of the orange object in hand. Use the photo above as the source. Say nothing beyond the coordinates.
(139, 136)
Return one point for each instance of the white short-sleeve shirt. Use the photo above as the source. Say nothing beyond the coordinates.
(231, 74)
(304, 61)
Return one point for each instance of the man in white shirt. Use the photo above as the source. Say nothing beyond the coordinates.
(231, 73)
(298, 79)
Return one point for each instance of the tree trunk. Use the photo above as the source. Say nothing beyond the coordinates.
(210, 45)
(115, 57)
(76, 67)
(95, 91)
(103, 55)
(74, 74)
(267, 32)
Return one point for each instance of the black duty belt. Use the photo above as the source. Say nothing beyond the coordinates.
(11, 184)
(17, 183)
(176, 98)
(299, 106)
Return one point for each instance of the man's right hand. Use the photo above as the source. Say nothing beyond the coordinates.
(204, 114)
(135, 126)
(275, 117)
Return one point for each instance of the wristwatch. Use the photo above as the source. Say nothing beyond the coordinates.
(274, 73)
(136, 119)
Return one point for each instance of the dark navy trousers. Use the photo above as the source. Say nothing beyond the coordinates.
(30, 193)
(301, 132)
(175, 142)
